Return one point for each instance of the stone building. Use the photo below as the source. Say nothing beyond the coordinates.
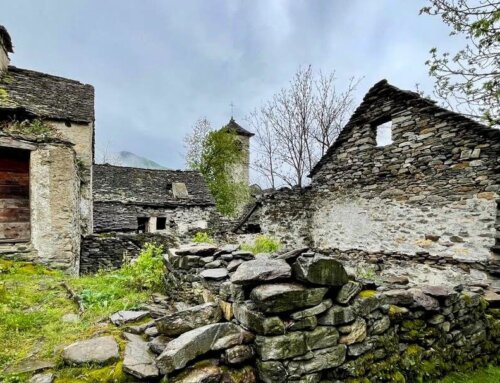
(431, 189)
(46, 155)
(241, 171)
(133, 200)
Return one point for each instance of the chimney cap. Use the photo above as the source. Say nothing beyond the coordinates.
(5, 37)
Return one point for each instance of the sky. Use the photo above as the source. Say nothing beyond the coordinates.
(159, 65)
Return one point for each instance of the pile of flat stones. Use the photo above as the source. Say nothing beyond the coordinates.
(295, 316)
(313, 322)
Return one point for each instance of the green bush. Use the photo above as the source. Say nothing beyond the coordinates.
(262, 244)
(202, 237)
(145, 272)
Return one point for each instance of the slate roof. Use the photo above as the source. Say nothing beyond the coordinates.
(42, 95)
(233, 126)
(384, 90)
(148, 187)
(7, 42)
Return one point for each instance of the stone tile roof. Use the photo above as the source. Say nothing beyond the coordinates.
(383, 90)
(42, 95)
(5, 37)
(233, 126)
(148, 187)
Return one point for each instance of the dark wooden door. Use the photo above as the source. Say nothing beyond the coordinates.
(14, 195)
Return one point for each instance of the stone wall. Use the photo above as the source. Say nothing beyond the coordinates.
(182, 221)
(283, 214)
(110, 251)
(312, 321)
(434, 189)
(55, 201)
(82, 137)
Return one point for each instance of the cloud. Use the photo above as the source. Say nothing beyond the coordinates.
(159, 65)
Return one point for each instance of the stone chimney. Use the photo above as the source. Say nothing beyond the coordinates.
(5, 48)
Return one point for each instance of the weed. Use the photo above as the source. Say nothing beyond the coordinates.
(262, 244)
(202, 237)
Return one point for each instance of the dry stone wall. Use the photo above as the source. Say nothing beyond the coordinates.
(111, 251)
(435, 189)
(182, 221)
(300, 317)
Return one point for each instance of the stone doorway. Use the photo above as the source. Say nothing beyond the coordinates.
(14, 195)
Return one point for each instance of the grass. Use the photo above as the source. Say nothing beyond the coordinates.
(262, 244)
(33, 302)
(490, 374)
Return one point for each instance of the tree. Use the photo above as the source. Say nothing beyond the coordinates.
(469, 80)
(193, 142)
(296, 127)
(213, 154)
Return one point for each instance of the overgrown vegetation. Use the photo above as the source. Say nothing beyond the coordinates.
(33, 128)
(203, 237)
(215, 154)
(33, 303)
(488, 374)
(262, 244)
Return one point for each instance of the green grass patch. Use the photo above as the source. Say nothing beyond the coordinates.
(203, 237)
(490, 374)
(262, 244)
(33, 302)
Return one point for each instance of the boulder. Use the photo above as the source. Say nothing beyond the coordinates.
(337, 315)
(292, 254)
(238, 354)
(320, 270)
(158, 344)
(423, 300)
(100, 350)
(189, 319)
(248, 315)
(380, 326)
(294, 344)
(243, 254)
(201, 373)
(215, 274)
(202, 249)
(282, 297)
(308, 323)
(272, 371)
(321, 360)
(138, 360)
(46, 377)
(316, 310)
(192, 344)
(30, 365)
(261, 269)
(348, 291)
(357, 333)
(126, 316)
(234, 264)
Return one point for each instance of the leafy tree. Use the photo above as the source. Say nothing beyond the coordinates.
(216, 154)
(469, 80)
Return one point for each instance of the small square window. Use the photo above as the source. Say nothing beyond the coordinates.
(161, 223)
(384, 133)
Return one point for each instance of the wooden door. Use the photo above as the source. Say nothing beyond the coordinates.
(14, 195)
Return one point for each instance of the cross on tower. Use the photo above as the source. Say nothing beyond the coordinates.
(232, 109)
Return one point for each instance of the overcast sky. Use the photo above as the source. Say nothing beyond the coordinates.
(157, 66)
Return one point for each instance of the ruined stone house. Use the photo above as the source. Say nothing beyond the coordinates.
(46, 155)
(133, 200)
(431, 191)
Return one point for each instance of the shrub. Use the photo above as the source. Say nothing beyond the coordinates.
(262, 244)
(145, 272)
(202, 237)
